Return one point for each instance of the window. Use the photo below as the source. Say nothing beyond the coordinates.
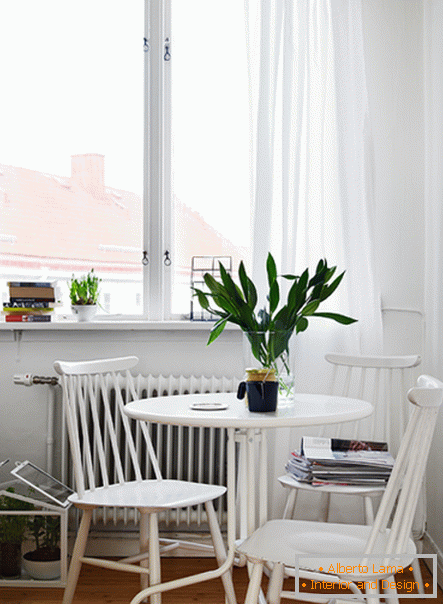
(117, 103)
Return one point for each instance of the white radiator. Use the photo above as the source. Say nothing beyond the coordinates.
(197, 454)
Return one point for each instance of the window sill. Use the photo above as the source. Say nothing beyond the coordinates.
(115, 325)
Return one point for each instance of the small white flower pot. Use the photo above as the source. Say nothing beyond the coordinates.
(43, 571)
(84, 312)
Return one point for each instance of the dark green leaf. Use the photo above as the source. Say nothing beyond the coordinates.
(248, 287)
(274, 297)
(310, 308)
(335, 317)
(271, 270)
(328, 290)
(302, 325)
(216, 330)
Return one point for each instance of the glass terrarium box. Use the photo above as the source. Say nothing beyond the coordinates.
(33, 527)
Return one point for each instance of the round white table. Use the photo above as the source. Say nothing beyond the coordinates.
(249, 429)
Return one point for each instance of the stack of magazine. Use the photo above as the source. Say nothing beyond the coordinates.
(340, 461)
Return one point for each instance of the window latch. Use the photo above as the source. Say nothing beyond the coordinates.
(167, 56)
(167, 261)
(145, 259)
(145, 45)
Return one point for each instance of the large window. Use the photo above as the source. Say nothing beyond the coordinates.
(124, 145)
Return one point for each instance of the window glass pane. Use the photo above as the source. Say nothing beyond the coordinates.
(210, 137)
(71, 145)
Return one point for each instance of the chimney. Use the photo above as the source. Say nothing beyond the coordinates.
(88, 172)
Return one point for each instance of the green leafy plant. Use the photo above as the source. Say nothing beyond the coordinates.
(85, 290)
(13, 527)
(270, 328)
(45, 530)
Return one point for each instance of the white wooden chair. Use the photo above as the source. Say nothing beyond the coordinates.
(110, 475)
(381, 380)
(319, 544)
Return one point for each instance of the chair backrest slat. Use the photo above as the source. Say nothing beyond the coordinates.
(380, 380)
(106, 446)
(400, 498)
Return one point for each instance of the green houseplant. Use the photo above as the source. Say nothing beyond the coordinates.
(12, 533)
(84, 293)
(269, 329)
(44, 561)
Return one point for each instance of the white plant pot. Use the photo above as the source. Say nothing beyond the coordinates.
(84, 312)
(43, 571)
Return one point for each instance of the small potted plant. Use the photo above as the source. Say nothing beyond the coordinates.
(84, 294)
(44, 561)
(269, 329)
(12, 534)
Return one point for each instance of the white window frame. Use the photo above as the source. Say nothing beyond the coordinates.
(157, 228)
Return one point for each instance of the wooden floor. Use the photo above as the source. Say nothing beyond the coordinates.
(99, 586)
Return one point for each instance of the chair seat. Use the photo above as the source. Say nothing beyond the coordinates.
(154, 494)
(289, 481)
(282, 540)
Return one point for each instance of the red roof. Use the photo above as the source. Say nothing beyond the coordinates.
(77, 220)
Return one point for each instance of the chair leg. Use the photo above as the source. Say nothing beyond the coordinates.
(77, 554)
(372, 594)
(154, 556)
(290, 503)
(275, 584)
(220, 552)
(391, 591)
(323, 511)
(254, 586)
(368, 510)
(144, 546)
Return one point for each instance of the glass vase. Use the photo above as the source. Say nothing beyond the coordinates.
(271, 349)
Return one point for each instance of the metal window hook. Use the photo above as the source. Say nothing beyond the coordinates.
(145, 259)
(145, 44)
(167, 261)
(167, 55)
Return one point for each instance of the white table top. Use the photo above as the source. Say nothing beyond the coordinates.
(305, 410)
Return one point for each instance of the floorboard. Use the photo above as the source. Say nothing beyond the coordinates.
(100, 586)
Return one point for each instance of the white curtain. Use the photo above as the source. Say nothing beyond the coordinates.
(312, 172)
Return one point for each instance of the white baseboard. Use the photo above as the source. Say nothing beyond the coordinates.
(430, 547)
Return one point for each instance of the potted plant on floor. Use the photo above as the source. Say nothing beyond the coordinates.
(84, 293)
(44, 561)
(269, 329)
(12, 533)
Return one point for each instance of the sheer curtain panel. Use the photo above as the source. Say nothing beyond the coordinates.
(311, 149)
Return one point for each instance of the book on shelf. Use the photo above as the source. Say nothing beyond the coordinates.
(341, 461)
(26, 303)
(23, 310)
(27, 318)
(36, 293)
(31, 283)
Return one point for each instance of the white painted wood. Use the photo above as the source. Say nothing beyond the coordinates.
(110, 474)
(381, 380)
(280, 541)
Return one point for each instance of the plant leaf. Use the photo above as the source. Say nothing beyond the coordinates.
(335, 317)
(271, 269)
(217, 330)
(274, 297)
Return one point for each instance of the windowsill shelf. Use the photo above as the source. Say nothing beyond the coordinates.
(115, 325)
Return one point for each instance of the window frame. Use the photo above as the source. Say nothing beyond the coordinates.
(157, 228)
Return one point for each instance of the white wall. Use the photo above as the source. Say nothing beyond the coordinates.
(23, 409)
(394, 50)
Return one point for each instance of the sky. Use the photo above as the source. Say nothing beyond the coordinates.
(73, 83)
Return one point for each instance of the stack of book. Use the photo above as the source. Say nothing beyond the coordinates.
(30, 301)
(340, 461)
